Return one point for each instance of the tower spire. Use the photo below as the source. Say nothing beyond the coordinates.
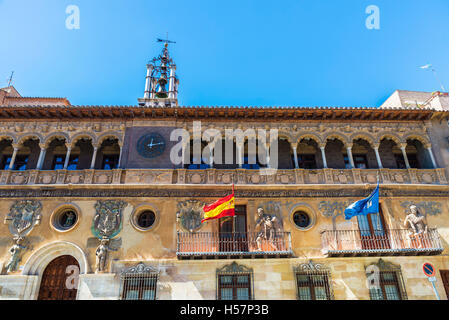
(161, 71)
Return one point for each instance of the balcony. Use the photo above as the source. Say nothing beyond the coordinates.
(395, 242)
(213, 245)
(224, 176)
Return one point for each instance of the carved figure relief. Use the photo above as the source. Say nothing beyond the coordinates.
(21, 219)
(15, 252)
(189, 215)
(415, 222)
(268, 229)
(106, 224)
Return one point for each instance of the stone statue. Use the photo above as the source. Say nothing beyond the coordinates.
(102, 254)
(414, 221)
(15, 252)
(267, 231)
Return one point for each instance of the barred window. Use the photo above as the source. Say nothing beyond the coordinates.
(234, 282)
(313, 285)
(390, 285)
(138, 283)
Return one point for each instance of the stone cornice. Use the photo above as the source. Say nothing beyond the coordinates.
(271, 114)
(355, 191)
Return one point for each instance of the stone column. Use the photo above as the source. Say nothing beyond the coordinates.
(13, 157)
(211, 155)
(94, 157)
(376, 151)
(351, 159)
(323, 155)
(239, 154)
(120, 155)
(40, 161)
(295, 155)
(267, 152)
(67, 156)
(404, 154)
(429, 150)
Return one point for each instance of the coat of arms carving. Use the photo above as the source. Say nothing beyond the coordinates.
(107, 221)
(190, 214)
(23, 216)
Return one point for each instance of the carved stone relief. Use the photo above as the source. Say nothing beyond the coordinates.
(190, 214)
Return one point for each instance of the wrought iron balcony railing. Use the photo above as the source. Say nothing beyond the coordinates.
(337, 243)
(233, 245)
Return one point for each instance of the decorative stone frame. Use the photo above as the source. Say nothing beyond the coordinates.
(59, 210)
(386, 266)
(307, 209)
(235, 269)
(141, 208)
(312, 268)
(138, 271)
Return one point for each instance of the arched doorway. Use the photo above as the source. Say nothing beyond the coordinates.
(53, 284)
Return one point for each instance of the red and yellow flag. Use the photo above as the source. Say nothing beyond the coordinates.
(224, 207)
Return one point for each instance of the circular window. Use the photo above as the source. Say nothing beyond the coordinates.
(65, 219)
(146, 219)
(301, 219)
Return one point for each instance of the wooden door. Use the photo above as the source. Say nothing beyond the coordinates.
(53, 284)
(233, 233)
(445, 277)
(373, 233)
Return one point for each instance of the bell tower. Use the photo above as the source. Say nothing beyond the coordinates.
(161, 84)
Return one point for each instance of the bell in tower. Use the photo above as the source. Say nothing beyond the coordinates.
(161, 72)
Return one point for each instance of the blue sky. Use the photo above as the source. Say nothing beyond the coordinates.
(241, 53)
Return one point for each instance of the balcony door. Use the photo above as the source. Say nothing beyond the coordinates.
(373, 233)
(232, 232)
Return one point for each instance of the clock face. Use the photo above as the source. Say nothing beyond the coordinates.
(151, 145)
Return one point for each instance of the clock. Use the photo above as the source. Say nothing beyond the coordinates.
(151, 145)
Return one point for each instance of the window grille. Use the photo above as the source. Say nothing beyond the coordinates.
(390, 285)
(313, 282)
(235, 282)
(138, 283)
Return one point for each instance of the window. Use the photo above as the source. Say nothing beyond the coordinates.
(73, 162)
(390, 284)
(146, 219)
(234, 287)
(65, 220)
(313, 282)
(58, 162)
(110, 162)
(412, 160)
(5, 163)
(360, 161)
(307, 161)
(301, 219)
(234, 282)
(139, 283)
(20, 163)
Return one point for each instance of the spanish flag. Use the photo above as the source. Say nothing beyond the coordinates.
(224, 207)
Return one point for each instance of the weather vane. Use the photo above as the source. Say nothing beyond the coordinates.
(166, 41)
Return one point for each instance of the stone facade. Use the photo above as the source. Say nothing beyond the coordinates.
(86, 138)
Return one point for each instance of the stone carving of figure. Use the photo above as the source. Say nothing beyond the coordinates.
(102, 254)
(267, 230)
(15, 251)
(414, 221)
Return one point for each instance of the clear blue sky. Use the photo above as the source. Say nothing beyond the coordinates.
(233, 52)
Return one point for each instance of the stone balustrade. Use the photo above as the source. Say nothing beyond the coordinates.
(218, 176)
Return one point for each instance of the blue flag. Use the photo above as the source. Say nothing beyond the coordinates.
(364, 206)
